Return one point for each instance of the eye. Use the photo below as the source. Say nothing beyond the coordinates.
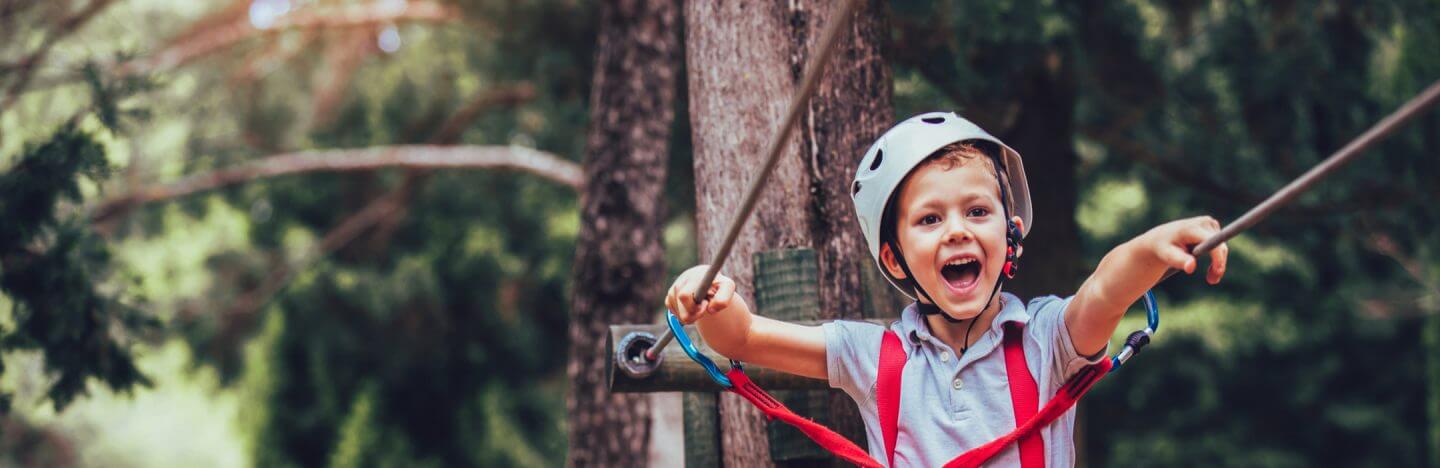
(929, 219)
(978, 212)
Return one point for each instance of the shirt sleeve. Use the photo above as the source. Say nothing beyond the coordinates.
(852, 355)
(1048, 323)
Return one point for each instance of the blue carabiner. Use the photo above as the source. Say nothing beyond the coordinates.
(1152, 310)
(1152, 320)
(685, 344)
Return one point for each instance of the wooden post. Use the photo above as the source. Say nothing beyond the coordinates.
(786, 288)
(702, 441)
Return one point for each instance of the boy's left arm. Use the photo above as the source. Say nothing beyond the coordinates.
(1132, 268)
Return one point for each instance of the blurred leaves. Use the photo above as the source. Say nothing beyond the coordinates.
(53, 267)
(108, 90)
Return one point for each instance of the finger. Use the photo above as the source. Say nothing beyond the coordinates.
(670, 299)
(702, 310)
(686, 293)
(1198, 232)
(724, 292)
(1218, 259)
(682, 312)
(1175, 257)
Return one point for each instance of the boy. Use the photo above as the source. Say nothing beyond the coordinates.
(944, 206)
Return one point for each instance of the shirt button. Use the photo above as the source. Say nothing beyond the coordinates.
(944, 356)
(957, 383)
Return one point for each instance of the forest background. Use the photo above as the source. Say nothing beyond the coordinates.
(159, 307)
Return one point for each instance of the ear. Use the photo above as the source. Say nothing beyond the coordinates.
(887, 258)
(1020, 226)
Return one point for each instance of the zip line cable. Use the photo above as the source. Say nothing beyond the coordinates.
(808, 83)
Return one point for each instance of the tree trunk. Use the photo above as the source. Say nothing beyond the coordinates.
(619, 263)
(746, 59)
(1044, 133)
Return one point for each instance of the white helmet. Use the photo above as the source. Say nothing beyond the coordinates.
(905, 146)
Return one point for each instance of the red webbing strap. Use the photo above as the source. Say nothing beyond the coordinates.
(887, 390)
(1062, 402)
(826, 438)
(843, 448)
(1024, 394)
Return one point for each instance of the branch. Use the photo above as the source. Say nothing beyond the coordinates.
(1384, 245)
(191, 46)
(504, 96)
(1400, 304)
(25, 68)
(383, 214)
(540, 163)
(261, 63)
(341, 62)
(236, 318)
(449, 133)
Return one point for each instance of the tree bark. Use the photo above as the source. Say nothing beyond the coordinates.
(746, 60)
(619, 264)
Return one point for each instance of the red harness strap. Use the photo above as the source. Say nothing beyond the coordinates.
(828, 439)
(887, 391)
(1024, 394)
(887, 395)
(1062, 402)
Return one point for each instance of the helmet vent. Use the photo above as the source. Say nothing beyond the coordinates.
(879, 155)
(933, 120)
(855, 188)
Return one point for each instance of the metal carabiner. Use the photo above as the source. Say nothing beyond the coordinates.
(1139, 338)
(680, 337)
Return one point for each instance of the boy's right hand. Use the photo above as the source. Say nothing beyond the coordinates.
(681, 296)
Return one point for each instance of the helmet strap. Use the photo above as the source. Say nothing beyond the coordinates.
(924, 308)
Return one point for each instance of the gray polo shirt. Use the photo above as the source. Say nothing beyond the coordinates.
(949, 405)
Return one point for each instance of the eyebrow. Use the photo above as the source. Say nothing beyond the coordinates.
(968, 197)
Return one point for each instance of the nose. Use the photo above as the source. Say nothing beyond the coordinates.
(957, 231)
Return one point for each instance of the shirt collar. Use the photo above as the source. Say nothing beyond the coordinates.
(912, 325)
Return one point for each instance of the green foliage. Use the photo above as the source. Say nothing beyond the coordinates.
(53, 266)
(109, 93)
(1256, 93)
(440, 342)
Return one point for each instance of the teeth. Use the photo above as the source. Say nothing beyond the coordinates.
(961, 261)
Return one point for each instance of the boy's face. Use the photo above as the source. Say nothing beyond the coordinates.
(951, 230)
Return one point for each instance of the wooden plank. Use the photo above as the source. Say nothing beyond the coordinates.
(677, 373)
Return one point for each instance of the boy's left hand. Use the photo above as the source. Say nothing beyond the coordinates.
(1171, 244)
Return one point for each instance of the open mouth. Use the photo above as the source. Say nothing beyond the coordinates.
(961, 274)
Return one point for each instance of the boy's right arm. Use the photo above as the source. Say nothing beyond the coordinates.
(728, 327)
